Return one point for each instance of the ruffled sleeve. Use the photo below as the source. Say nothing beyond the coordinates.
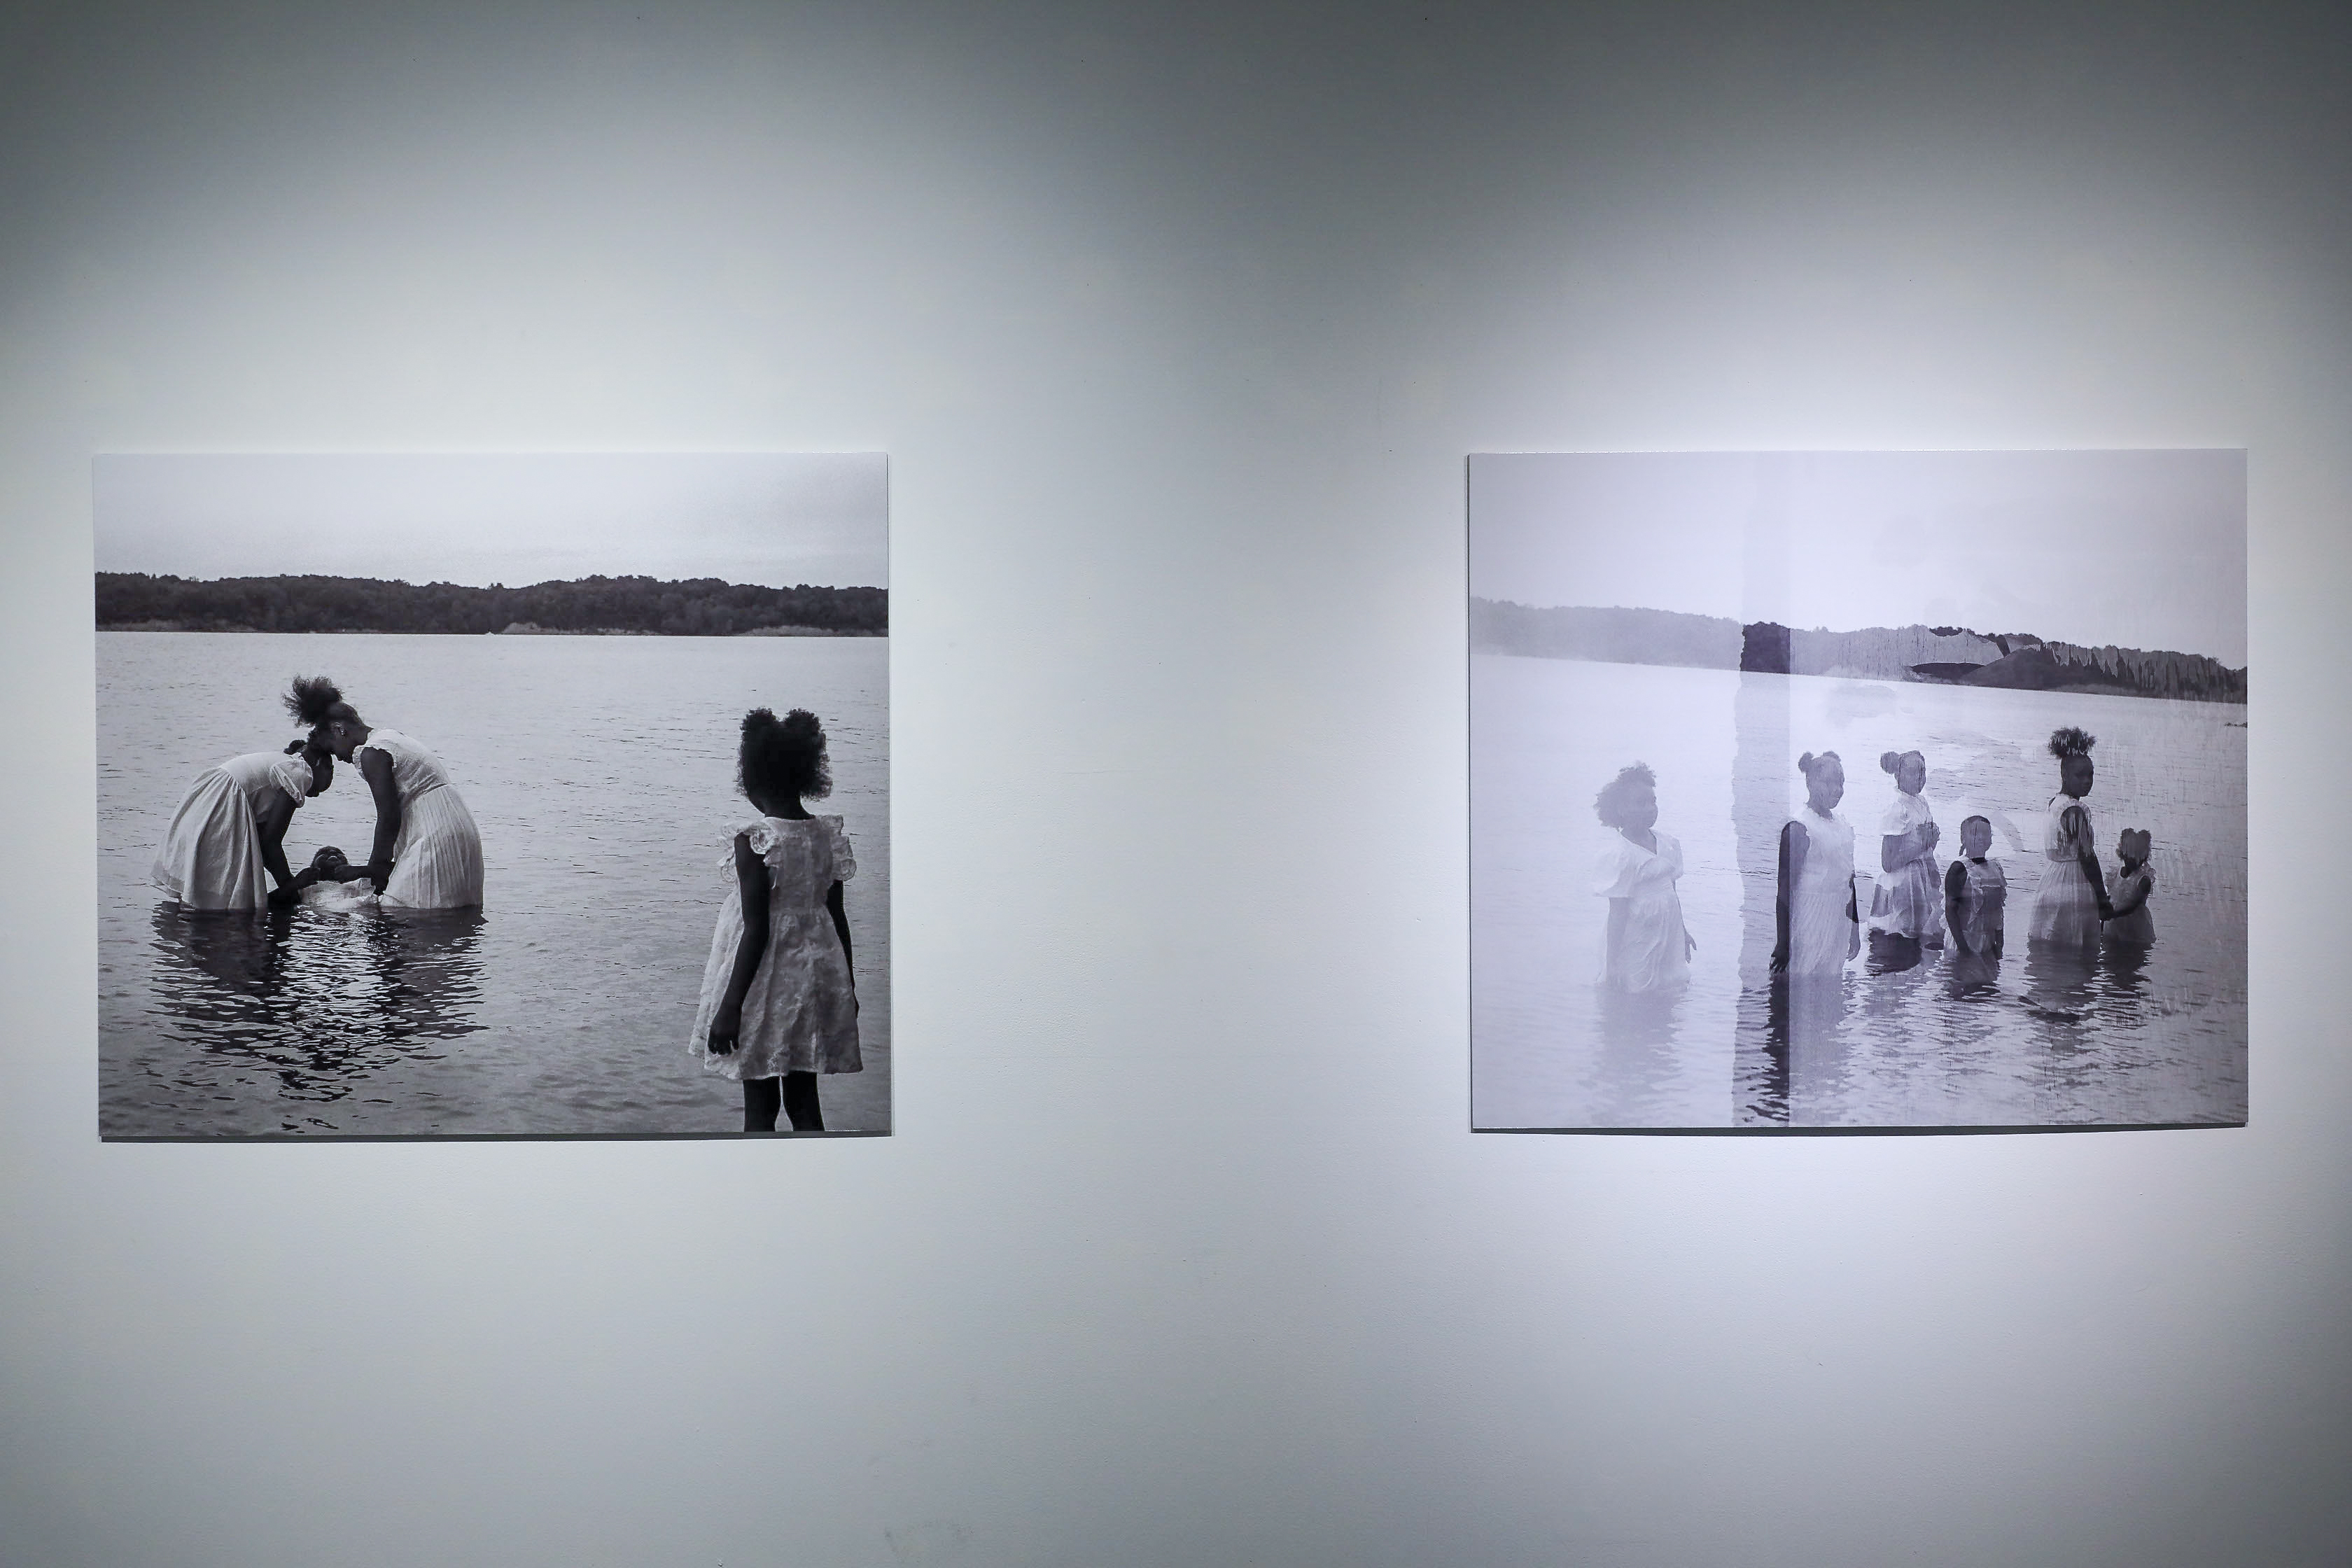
(292, 774)
(1615, 868)
(845, 858)
(1907, 812)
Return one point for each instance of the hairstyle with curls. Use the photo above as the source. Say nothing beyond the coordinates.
(1610, 805)
(783, 758)
(2135, 843)
(1811, 760)
(313, 699)
(2071, 741)
(1892, 762)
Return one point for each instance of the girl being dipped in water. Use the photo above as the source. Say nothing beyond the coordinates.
(1813, 914)
(1647, 948)
(2072, 902)
(778, 1001)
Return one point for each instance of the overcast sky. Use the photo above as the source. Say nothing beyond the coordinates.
(2143, 550)
(775, 519)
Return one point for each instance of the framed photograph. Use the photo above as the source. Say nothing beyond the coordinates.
(514, 795)
(1858, 790)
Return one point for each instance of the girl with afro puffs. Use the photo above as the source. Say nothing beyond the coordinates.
(779, 1002)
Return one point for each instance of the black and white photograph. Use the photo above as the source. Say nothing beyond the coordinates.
(492, 795)
(1858, 790)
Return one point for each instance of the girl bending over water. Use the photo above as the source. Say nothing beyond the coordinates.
(229, 832)
(427, 853)
(1646, 947)
(1813, 911)
(2072, 901)
(778, 1001)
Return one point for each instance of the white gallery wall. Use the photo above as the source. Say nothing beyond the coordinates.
(1177, 323)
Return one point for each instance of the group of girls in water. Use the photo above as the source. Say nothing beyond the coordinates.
(778, 1004)
(1917, 906)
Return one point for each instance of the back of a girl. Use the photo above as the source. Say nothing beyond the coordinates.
(778, 1000)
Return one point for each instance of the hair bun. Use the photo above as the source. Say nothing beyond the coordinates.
(800, 724)
(1888, 762)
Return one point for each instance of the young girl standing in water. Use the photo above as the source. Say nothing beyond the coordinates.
(779, 1002)
(2072, 901)
(1908, 904)
(1646, 947)
(2128, 889)
(1817, 926)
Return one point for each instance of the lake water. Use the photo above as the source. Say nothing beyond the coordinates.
(601, 770)
(2108, 1038)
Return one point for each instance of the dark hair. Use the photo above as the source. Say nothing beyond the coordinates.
(2135, 843)
(312, 748)
(783, 757)
(1889, 762)
(1618, 793)
(313, 700)
(2071, 741)
(1966, 820)
(1811, 760)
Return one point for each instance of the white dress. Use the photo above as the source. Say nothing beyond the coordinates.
(801, 1012)
(2066, 906)
(1910, 899)
(437, 860)
(211, 858)
(1650, 953)
(1819, 930)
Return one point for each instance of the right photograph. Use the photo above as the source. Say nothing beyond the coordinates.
(1857, 789)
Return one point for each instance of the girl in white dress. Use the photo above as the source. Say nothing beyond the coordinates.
(2128, 887)
(1813, 908)
(2072, 901)
(1909, 903)
(1646, 947)
(226, 848)
(427, 853)
(779, 1003)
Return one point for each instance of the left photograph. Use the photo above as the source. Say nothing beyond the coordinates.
(463, 795)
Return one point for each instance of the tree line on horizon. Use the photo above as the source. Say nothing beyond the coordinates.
(702, 606)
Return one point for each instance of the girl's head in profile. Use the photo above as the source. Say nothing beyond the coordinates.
(783, 760)
(1629, 801)
(2071, 745)
(1909, 768)
(1825, 779)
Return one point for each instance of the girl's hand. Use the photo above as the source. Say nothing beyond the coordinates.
(380, 873)
(1780, 961)
(1929, 834)
(1690, 944)
(726, 1024)
(1853, 941)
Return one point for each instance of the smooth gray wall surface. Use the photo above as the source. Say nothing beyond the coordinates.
(1177, 324)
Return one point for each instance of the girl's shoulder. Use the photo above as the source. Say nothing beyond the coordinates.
(765, 835)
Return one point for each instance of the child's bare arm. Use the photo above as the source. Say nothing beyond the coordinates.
(752, 887)
(1956, 887)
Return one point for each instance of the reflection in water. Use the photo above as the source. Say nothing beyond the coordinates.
(316, 1004)
(1639, 1056)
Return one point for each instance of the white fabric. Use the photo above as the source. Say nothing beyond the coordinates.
(210, 854)
(1910, 899)
(1651, 952)
(436, 860)
(2138, 928)
(801, 1012)
(1818, 931)
(2066, 906)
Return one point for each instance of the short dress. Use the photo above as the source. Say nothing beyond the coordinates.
(436, 860)
(1650, 953)
(1909, 901)
(1982, 889)
(211, 858)
(2066, 906)
(2138, 928)
(801, 1012)
(1819, 930)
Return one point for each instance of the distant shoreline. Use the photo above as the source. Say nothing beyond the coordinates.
(1940, 656)
(510, 631)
